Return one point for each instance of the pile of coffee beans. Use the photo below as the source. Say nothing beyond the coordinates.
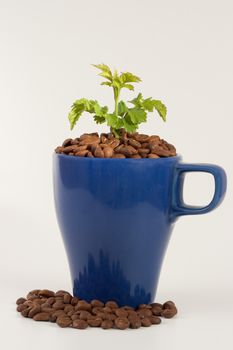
(68, 311)
(133, 145)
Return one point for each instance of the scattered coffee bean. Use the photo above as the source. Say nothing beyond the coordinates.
(68, 311)
(80, 324)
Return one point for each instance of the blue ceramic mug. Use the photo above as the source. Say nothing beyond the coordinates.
(116, 217)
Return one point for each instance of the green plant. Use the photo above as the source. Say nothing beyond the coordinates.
(123, 117)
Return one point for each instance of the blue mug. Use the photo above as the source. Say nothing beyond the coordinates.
(116, 217)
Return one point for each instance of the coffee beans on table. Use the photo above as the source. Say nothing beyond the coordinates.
(132, 145)
(68, 311)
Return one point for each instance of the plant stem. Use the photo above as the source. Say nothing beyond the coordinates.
(116, 98)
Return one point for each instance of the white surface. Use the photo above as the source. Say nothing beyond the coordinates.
(183, 51)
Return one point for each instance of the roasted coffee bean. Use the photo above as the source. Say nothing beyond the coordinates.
(169, 313)
(60, 293)
(127, 307)
(103, 138)
(51, 300)
(122, 323)
(143, 151)
(41, 316)
(69, 149)
(144, 306)
(89, 141)
(155, 320)
(49, 310)
(85, 315)
(58, 305)
(35, 310)
(118, 155)
(25, 312)
(46, 293)
(74, 142)
(21, 307)
(79, 324)
(153, 155)
(90, 155)
(136, 156)
(70, 313)
(111, 304)
(146, 322)
(74, 317)
(67, 142)
(99, 153)
(168, 305)
(81, 153)
(80, 148)
(144, 313)
(132, 313)
(97, 303)
(141, 137)
(83, 305)
(121, 312)
(156, 310)
(20, 301)
(74, 301)
(95, 321)
(128, 151)
(156, 305)
(135, 143)
(68, 308)
(106, 324)
(63, 321)
(107, 309)
(115, 143)
(56, 314)
(159, 150)
(154, 138)
(31, 296)
(97, 309)
(108, 152)
(135, 322)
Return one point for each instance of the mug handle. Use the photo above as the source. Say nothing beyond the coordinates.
(179, 207)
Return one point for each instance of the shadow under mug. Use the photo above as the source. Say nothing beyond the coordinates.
(116, 217)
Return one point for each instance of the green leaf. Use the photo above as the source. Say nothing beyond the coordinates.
(99, 120)
(128, 77)
(106, 83)
(161, 109)
(137, 115)
(128, 86)
(102, 67)
(137, 102)
(128, 126)
(122, 108)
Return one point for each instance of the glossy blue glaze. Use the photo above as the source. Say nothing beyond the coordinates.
(116, 217)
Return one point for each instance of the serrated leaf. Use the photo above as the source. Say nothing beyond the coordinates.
(137, 102)
(102, 67)
(99, 120)
(161, 109)
(106, 83)
(122, 108)
(137, 115)
(128, 77)
(128, 86)
(129, 127)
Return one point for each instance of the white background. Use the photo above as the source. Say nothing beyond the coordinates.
(183, 51)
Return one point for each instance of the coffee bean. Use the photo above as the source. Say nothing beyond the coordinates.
(121, 312)
(168, 313)
(99, 153)
(127, 307)
(74, 317)
(159, 150)
(74, 142)
(114, 143)
(59, 149)
(136, 156)
(118, 155)
(106, 324)
(60, 293)
(143, 151)
(154, 138)
(58, 305)
(97, 303)
(67, 142)
(63, 321)
(134, 143)
(156, 305)
(41, 316)
(169, 305)
(103, 138)
(85, 315)
(108, 152)
(156, 310)
(107, 309)
(81, 153)
(35, 310)
(83, 305)
(144, 313)
(97, 309)
(132, 313)
(155, 320)
(80, 148)
(67, 150)
(80, 324)
(68, 308)
(141, 137)
(90, 155)
(46, 293)
(128, 151)
(122, 323)
(55, 315)
(20, 301)
(153, 156)
(21, 307)
(111, 304)
(51, 300)
(135, 322)
(146, 322)
(31, 296)
(74, 301)
(25, 312)
(144, 306)
(70, 313)
(95, 321)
